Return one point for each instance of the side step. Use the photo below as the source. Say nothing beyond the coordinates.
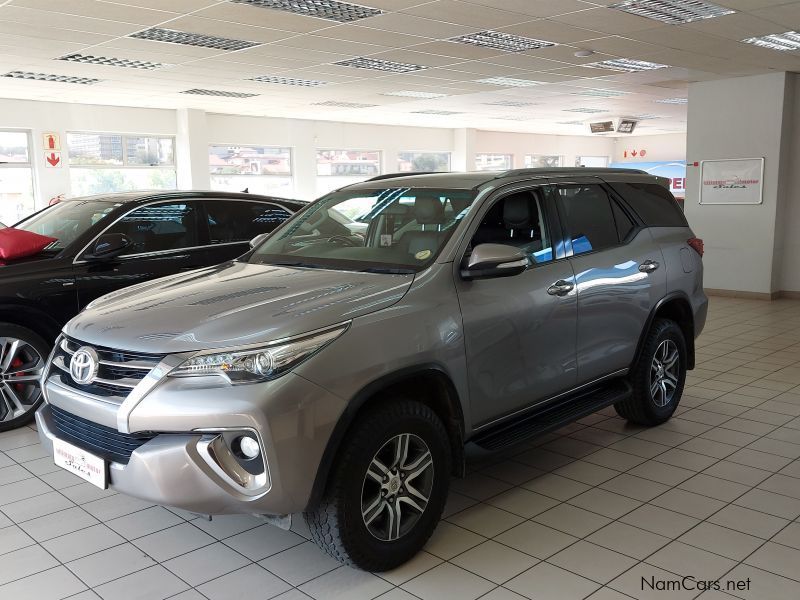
(553, 415)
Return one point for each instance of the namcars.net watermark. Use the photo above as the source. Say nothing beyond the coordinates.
(691, 583)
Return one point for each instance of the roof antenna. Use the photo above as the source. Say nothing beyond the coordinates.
(246, 190)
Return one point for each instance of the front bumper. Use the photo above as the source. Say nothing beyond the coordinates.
(291, 417)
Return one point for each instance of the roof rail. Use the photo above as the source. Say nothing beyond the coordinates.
(393, 175)
(568, 171)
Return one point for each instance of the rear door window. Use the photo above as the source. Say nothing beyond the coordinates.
(232, 221)
(653, 203)
(589, 217)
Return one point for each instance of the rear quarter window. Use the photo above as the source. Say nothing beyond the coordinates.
(653, 203)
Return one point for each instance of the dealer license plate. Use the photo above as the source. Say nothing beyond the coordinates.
(80, 462)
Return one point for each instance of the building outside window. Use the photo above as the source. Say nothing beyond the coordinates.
(546, 161)
(494, 162)
(258, 169)
(101, 163)
(16, 176)
(592, 162)
(415, 162)
(337, 168)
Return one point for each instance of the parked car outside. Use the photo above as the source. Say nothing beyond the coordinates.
(341, 375)
(105, 243)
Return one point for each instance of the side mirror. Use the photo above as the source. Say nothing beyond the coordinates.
(108, 246)
(494, 260)
(258, 239)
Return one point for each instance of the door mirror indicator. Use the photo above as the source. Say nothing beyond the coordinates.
(494, 260)
(258, 239)
(108, 246)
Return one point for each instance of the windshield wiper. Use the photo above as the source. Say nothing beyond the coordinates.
(388, 270)
(306, 265)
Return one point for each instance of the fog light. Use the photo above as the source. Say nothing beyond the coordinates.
(248, 447)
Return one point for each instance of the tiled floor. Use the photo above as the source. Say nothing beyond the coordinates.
(598, 510)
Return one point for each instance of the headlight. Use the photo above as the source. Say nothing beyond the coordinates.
(258, 364)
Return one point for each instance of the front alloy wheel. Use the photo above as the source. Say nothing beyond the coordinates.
(664, 373)
(22, 360)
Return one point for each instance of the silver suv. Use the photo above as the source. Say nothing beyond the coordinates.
(343, 372)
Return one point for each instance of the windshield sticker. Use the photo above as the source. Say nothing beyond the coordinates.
(422, 254)
(386, 240)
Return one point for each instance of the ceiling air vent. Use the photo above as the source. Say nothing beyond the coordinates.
(673, 101)
(627, 65)
(173, 36)
(599, 93)
(514, 103)
(114, 62)
(509, 82)
(588, 111)
(673, 12)
(375, 64)
(222, 93)
(338, 104)
(432, 111)
(497, 40)
(51, 77)
(287, 80)
(343, 12)
(414, 94)
(777, 41)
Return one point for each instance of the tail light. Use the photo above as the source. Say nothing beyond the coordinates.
(696, 244)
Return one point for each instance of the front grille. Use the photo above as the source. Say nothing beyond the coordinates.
(118, 373)
(100, 440)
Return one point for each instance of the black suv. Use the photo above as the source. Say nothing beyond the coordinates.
(105, 243)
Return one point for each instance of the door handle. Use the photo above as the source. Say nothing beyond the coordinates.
(560, 288)
(648, 266)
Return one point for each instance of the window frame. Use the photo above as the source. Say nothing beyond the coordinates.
(531, 155)
(380, 154)
(173, 165)
(30, 165)
(508, 155)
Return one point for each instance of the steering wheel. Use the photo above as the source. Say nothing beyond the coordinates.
(343, 240)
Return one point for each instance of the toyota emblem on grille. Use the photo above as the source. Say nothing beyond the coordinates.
(83, 365)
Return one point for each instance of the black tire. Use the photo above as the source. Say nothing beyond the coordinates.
(30, 394)
(644, 407)
(337, 525)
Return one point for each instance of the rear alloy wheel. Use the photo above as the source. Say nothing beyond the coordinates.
(22, 359)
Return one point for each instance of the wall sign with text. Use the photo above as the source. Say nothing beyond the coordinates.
(732, 181)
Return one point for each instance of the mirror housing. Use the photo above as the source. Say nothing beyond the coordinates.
(494, 260)
(258, 239)
(108, 246)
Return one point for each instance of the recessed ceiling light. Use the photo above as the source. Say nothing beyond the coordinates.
(777, 41)
(585, 110)
(599, 93)
(497, 40)
(114, 62)
(223, 93)
(673, 11)
(51, 77)
(627, 65)
(343, 12)
(173, 36)
(287, 80)
(414, 94)
(673, 101)
(436, 112)
(339, 104)
(375, 64)
(517, 103)
(509, 82)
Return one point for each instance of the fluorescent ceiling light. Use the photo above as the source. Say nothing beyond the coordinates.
(516, 103)
(51, 77)
(627, 65)
(339, 104)
(599, 93)
(673, 12)
(509, 82)
(581, 123)
(287, 80)
(497, 40)
(436, 112)
(343, 12)
(375, 64)
(114, 62)
(673, 101)
(184, 38)
(777, 41)
(223, 93)
(588, 111)
(414, 94)
(646, 117)
(513, 118)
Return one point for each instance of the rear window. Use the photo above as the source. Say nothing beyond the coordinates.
(653, 203)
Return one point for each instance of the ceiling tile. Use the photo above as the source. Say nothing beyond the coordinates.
(263, 17)
(49, 19)
(456, 50)
(358, 33)
(537, 8)
(411, 25)
(552, 31)
(99, 10)
(607, 20)
(465, 13)
(785, 16)
(226, 29)
(416, 58)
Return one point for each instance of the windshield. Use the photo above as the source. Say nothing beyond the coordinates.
(66, 221)
(382, 230)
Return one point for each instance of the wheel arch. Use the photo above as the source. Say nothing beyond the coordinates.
(33, 318)
(431, 385)
(674, 306)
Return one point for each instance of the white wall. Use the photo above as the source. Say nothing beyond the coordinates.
(520, 144)
(663, 147)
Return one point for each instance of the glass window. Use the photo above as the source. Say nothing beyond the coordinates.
(545, 161)
(494, 162)
(337, 168)
(103, 163)
(416, 162)
(68, 220)
(394, 230)
(240, 221)
(517, 220)
(16, 177)
(160, 227)
(257, 169)
(594, 162)
(653, 203)
(589, 217)
(624, 223)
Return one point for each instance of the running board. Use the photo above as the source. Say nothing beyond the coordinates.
(552, 416)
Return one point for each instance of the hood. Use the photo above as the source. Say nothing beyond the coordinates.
(230, 305)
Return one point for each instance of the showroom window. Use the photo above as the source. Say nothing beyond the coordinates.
(546, 161)
(415, 162)
(592, 162)
(494, 162)
(16, 176)
(257, 169)
(337, 168)
(100, 163)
